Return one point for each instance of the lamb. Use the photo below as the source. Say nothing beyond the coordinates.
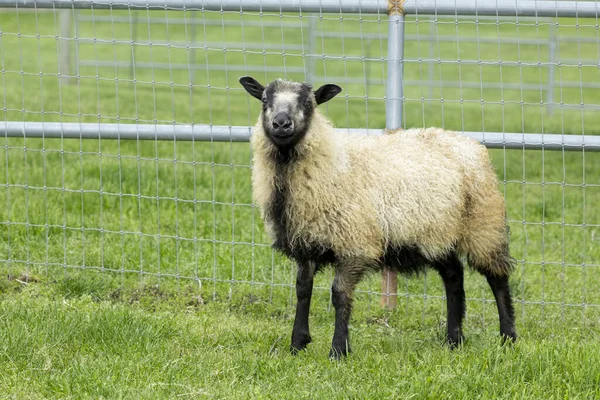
(417, 198)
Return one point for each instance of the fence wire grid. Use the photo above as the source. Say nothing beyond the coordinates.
(160, 208)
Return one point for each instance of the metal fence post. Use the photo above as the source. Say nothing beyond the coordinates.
(430, 68)
(134, 40)
(393, 114)
(310, 54)
(551, 61)
(193, 48)
(66, 25)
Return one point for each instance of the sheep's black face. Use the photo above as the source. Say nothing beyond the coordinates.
(287, 111)
(287, 108)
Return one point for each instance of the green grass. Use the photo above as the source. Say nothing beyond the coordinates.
(142, 342)
(143, 270)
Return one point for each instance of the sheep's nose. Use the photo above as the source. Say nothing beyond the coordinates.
(282, 121)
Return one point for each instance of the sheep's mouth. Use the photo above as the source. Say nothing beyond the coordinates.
(283, 131)
(286, 138)
(282, 137)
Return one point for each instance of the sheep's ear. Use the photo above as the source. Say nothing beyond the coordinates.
(326, 93)
(252, 86)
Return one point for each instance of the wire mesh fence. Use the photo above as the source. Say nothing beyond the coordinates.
(129, 159)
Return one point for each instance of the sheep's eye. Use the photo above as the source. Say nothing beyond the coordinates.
(264, 100)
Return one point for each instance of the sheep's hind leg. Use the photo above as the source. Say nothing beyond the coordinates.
(451, 271)
(347, 276)
(506, 312)
(304, 285)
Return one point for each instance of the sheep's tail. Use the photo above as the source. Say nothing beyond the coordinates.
(486, 238)
(492, 260)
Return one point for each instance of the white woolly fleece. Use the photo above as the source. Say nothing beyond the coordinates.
(428, 188)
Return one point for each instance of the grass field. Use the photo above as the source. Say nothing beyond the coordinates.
(141, 269)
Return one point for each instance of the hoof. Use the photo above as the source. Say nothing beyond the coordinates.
(337, 353)
(455, 340)
(300, 344)
(509, 337)
(295, 350)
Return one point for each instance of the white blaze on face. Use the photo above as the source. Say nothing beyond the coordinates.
(286, 101)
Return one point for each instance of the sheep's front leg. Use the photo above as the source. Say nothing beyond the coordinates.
(347, 276)
(304, 285)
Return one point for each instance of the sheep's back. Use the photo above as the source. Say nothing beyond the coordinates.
(420, 182)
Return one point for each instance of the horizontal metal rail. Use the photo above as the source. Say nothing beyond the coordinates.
(261, 23)
(347, 6)
(239, 46)
(198, 44)
(57, 130)
(529, 8)
(537, 8)
(191, 20)
(198, 67)
(73, 130)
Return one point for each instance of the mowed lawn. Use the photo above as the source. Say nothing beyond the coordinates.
(142, 269)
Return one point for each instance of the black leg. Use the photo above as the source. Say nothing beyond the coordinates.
(340, 345)
(506, 312)
(451, 271)
(347, 276)
(304, 285)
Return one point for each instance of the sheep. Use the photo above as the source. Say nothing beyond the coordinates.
(416, 198)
